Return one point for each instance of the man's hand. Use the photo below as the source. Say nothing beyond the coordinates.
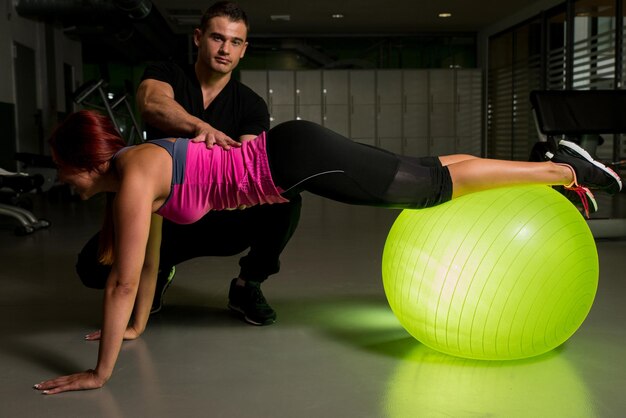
(78, 381)
(210, 136)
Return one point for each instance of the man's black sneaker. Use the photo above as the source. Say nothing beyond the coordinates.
(249, 302)
(164, 280)
(587, 171)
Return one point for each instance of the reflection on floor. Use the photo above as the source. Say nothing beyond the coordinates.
(335, 351)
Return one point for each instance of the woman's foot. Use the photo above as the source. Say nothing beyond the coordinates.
(587, 171)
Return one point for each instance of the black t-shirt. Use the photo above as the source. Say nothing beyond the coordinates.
(236, 110)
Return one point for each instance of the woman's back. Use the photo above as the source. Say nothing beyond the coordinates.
(216, 179)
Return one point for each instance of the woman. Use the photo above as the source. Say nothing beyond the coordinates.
(182, 180)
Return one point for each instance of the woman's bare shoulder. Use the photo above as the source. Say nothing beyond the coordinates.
(146, 160)
(143, 154)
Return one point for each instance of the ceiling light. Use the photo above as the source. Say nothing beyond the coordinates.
(280, 18)
(445, 14)
(337, 15)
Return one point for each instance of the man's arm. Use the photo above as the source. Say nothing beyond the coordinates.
(158, 107)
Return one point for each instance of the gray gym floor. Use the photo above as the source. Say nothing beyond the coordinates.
(335, 351)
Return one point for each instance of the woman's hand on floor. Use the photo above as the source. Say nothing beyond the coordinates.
(78, 381)
(129, 334)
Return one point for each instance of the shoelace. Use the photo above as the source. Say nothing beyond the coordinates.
(256, 295)
(258, 298)
(585, 196)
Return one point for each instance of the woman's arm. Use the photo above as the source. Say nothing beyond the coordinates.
(147, 285)
(147, 281)
(132, 214)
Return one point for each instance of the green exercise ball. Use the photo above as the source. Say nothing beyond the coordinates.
(503, 274)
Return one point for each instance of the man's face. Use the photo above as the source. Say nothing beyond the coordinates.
(222, 44)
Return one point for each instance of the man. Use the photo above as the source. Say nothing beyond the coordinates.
(206, 103)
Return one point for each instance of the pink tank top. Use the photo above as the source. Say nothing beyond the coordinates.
(216, 179)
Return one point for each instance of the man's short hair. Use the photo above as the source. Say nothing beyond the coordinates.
(228, 9)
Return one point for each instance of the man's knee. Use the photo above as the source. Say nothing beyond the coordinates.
(90, 271)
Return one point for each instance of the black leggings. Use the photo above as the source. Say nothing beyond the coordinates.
(304, 156)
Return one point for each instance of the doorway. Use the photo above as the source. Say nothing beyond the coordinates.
(28, 117)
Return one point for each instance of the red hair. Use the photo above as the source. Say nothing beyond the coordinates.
(84, 141)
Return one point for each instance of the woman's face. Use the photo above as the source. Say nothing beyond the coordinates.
(82, 181)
